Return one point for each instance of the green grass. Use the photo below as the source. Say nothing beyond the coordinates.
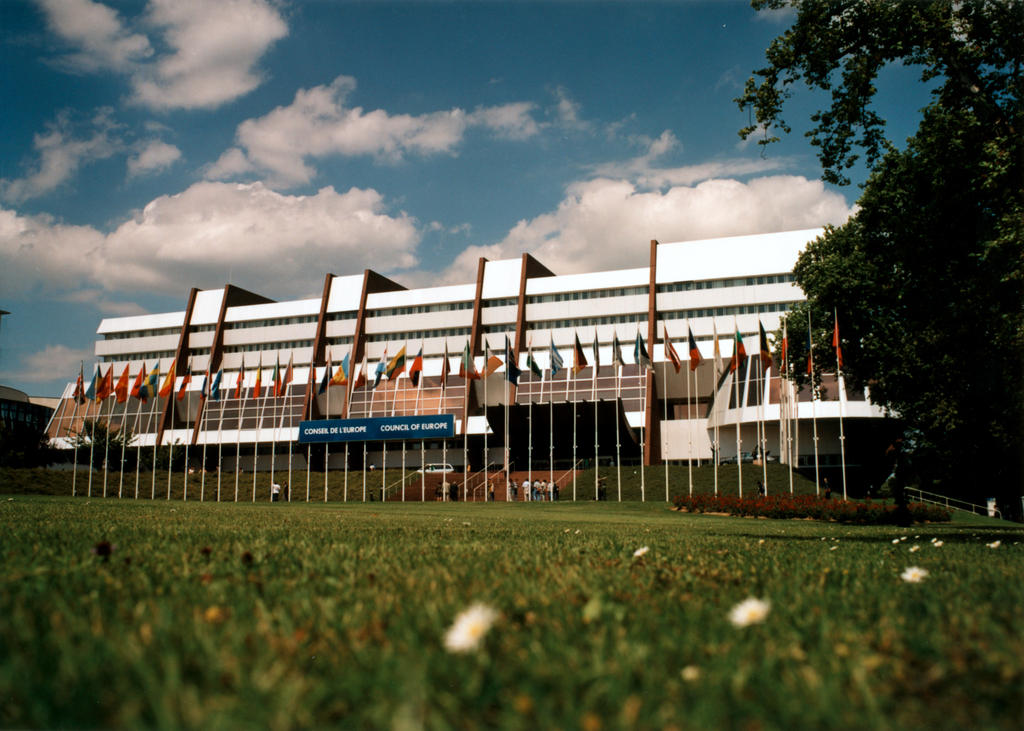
(339, 618)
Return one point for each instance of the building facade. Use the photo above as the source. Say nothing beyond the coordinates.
(620, 411)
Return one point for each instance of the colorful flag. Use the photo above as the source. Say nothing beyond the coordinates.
(381, 369)
(140, 382)
(326, 382)
(670, 351)
(90, 392)
(185, 381)
(276, 380)
(765, 352)
(416, 369)
(785, 349)
(202, 387)
(597, 354)
(695, 356)
(467, 368)
(491, 362)
(836, 345)
(396, 366)
(121, 389)
(289, 374)
(512, 369)
(150, 386)
(579, 358)
(738, 351)
(445, 366)
(640, 356)
(258, 385)
(215, 388)
(79, 394)
(106, 385)
(719, 368)
(556, 359)
(360, 379)
(532, 364)
(340, 375)
(239, 382)
(617, 359)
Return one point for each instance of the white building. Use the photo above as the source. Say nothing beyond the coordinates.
(630, 412)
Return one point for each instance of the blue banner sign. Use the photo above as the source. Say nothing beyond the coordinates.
(376, 429)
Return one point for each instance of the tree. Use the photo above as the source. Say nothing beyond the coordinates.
(928, 276)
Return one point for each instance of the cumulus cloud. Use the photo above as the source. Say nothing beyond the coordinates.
(216, 47)
(208, 234)
(102, 40)
(153, 156)
(213, 48)
(51, 363)
(600, 223)
(319, 123)
(63, 148)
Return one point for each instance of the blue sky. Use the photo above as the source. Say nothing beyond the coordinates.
(150, 147)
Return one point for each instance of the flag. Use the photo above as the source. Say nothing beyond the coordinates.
(90, 392)
(785, 349)
(836, 345)
(121, 389)
(239, 382)
(467, 369)
(360, 379)
(105, 387)
(597, 354)
(381, 369)
(617, 351)
(202, 388)
(215, 388)
(695, 356)
(140, 382)
(149, 389)
(326, 381)
(670, 351)
(556, 359)
(640, 356)
(719, 369)
(289, 373)
(340, 375)
(258, 384)
(185, 381)
(445, 366)
(396, 365)
(738, 351)
(579, 358)
(416, 369)
(276, 380)
(512, 369)
(766, 354)
(79, 394)
(532, 364)
(491, 362)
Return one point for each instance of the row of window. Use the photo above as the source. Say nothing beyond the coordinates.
(142, 333)
(736, 310)
(420, 309)
(504, 302)
(413, 335)
(718, 283)
(278, 345)
(586, 295)
(151, 355)
(580, 322)
(272, 322)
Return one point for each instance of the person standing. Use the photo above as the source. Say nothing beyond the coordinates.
(526, 490)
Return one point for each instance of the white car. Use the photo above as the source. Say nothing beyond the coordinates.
(436, 468)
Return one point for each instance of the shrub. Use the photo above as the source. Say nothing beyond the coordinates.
(807, 506)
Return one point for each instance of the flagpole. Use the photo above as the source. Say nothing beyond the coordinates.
(814, 403)
(443, 404)
(551, 416)
(508, 395)
(689, 412)
(739, 409)
(529, 420)
(280, 425)
(309, 417)
(220, 431)
(291, 421)
(617, 364)
(643, 435)
(92, 436)
(124, 447)
(574, 397)
(762, 407)
(203, 420)
(276, 394)
(664, 386)
(327, 445)
(80, 384)
(240, 397)
(842, 397)
(106, 443)
(156, 431)
(594, 400)
(717, 359)
(261, 409)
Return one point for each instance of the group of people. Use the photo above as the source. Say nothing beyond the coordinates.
(538, 490)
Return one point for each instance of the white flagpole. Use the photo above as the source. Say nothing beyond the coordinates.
(551, 416)
(508, 395)
(124, 445)
(92, 437)
(664, 386)
(291, 422)
(529, 422)
(238, 427)
(764, 427)
(487, 423)
(575, 380)
(594, 400)
(618, 399)
(309, 417)
(327, 445)
(203, 420)
(273, 423)
(643, 433)
(74, 418)
(842, 398)
(259, 425)
(220, 432)
(739, 409)
(442, 405)
(423, 442)
(814, 405)
(106, 445)
(717, 359)
(152, 423)
(280, 425)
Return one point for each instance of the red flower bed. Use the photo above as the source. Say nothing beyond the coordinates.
(807, 506)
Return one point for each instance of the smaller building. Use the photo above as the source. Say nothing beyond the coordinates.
(19, 410)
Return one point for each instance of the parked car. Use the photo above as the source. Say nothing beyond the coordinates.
(746, 457)
(436, 468)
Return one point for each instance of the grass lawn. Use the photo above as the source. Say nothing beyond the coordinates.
(241, 615)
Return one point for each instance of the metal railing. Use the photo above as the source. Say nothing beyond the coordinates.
(934, 498)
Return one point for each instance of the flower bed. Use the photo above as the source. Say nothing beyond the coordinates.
(808, 506)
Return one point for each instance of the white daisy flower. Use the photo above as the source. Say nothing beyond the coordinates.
(469, 628)
(914, 574)
(749, 611)
(937, 544)
(690, 673)
(895, 541)
(641, 551)
(834, 548)
(915, 548)
(994, 544)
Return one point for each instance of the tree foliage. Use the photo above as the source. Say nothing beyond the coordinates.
(928, 276)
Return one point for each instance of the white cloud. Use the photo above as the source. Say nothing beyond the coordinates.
(97, 30)
(602, 223)
(51, 363)
(204, 236)
(216, 48)
(154, 156)
(63, 148)
(318, 123)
